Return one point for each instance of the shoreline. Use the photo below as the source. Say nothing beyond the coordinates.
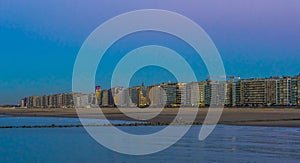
(266, 117)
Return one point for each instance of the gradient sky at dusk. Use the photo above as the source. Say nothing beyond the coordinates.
(40, 39)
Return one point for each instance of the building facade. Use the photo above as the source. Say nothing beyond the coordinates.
(259, 92)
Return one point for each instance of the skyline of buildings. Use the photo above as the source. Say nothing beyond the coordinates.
(235, 92)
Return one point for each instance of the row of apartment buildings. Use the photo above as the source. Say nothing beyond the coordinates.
(65, 100)
(258, 92)
(273, 91)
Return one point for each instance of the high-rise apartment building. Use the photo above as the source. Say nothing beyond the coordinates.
(257, 92)
(175, 94)
(195, 94)
(285, 91)
(271, 91)
(157, 96)
(207, 92)
(98, 95)
(253, 92)
(295, 90)
(229, 93)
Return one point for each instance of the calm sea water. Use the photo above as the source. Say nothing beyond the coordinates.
(225, 144)
(40, 121)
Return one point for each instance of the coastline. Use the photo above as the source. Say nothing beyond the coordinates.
(268, 117)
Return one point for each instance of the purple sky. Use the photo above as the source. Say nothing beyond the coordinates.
(40, 39)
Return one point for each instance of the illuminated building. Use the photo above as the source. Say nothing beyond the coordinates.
(295, 90)
(285, 91)
(98, 95)
(156, 95)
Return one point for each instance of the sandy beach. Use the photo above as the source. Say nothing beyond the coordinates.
(283, 117)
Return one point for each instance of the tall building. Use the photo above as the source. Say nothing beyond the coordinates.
(104, 100)
(23, 103)
(207, 94)
(232, 97)
(134, 95)
(229, 93)
(284, 86)
(201, 87)
(192, 94)
(51, 104)
(175, 94)
(271, 92)
(195, 94)
(157, 96)
(295, 90)
(253, 92)
(171, 94)
(98, 95)
(123, 98)
(35, 101)
(181, 94)
(77, 100)
(140, 96)
(142, 99)
(51, 101)
(29, 102)
(236, 93)
(218, 92)
(83, 100)
(44, 101)
(107, 98)
(68, 101)
(258, 92)
(55, 101)
(298, 94)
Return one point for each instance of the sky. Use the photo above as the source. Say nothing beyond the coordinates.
(41, 39)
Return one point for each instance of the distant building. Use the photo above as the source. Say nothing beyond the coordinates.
(157, 96)
(207, 93)
(84, 100)
(271, 92)
(236, 93)
(139, 96)
(215, 92)
(171, 94)
(51, 101)
(284, 91)
(107, 98)
(98, 95)
(229, 93)
(181, 94)
(195, 94)
(295, 90)
(122, 99)
(259, 92)
(23, 103)
(253, 92)
(104, 101)
(218, 92)
(201, 88)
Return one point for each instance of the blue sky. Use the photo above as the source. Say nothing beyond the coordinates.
(40, 40)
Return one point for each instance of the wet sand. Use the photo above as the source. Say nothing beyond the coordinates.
(279, 117)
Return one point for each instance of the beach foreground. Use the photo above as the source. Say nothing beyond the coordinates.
(287, 117)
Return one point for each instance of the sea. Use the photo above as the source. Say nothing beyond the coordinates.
(73, 144)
